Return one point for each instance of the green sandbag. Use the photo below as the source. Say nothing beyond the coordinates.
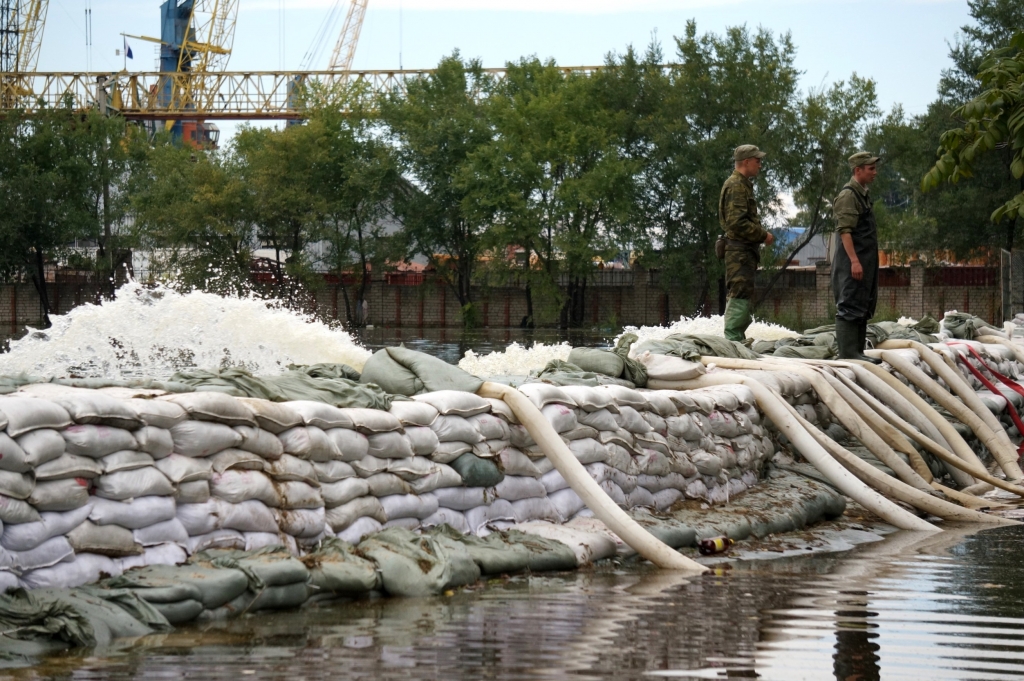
(671, 532)
(129, 601)
(334, 568)
(324, 370)
(597, 360)
(156, 584)
(181, 612)
(32, 617)
(216, 586)
(464, 568)
(270, 566)
(434, 373)
(391, 376)
(545, 555)
(409, 564)
(559, 372)
(805, 352)
(106, 619)
(286, 387)
(495, 554)
(477, 472)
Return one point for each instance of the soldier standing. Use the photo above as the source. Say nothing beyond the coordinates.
(737, 213)
(855, 264)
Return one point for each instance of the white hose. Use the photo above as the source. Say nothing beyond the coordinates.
(605, 510)
(846, 482)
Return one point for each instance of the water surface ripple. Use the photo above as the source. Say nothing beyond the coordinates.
(911, 607)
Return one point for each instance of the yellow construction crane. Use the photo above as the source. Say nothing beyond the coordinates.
(204, 50)
(21, 34)
(345, 50)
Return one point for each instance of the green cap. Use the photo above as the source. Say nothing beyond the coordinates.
(745, 151)
(863, 158)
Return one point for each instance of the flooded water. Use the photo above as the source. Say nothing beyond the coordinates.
(944, 606)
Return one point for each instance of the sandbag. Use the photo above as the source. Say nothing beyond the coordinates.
(92, 406)
(455, 403)
(372, 421)
(383, 484)
(112, 541)
(215, 407)
(260, 442)
(41, 446)
(477, 472)
(305, 523)
(16, 511)
(410, 565)
(157, 442)
(30, 413)
(413, 413)
(333, 471)
(409, 506)
(142, 482)
(27, 536)
(422, 439)
(198, 439)
(158, 413)
(12, 457)
(239, 486)
(320, 415)
(292, 468)
(236, 459)
(60, 495)
(169, 531)
(309, 442)
(439, 477)
(125, 460)
(588, 547)
(359, 530)
(481, 517)
(218, 539)
(51, 552)
(295, 495)
(391, 445)
(351, 445)
(273, 417)
(69, 466)
(340, 517)
(193, 492)
(343, 491)
(97, 441)
(335, 568)
(181, 469)
(401, 371)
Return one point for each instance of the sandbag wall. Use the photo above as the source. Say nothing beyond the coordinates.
(95, 482)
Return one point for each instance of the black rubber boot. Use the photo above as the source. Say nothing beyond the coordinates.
(862, 337)
(848, 339)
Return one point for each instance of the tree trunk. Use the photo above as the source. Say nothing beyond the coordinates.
(39, 280)
(528, 322)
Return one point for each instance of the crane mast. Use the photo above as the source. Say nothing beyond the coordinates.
(21, 34)
(348, 41)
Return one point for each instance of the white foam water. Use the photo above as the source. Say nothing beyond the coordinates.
(153, 332)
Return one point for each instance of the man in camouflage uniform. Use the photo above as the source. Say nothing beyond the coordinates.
(855, 263)
(737, 213)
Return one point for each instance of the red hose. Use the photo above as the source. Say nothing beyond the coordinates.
(1014, 416)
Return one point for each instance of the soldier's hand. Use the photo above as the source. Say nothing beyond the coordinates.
(769, 240)
(856, 271)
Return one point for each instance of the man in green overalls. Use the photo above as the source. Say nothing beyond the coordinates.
(855, 264)
(737, 214)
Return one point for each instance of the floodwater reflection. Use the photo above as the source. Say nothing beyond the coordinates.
(941, 606)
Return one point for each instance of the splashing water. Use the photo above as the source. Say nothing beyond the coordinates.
(153, 332)
(711, 326)
(515, 360)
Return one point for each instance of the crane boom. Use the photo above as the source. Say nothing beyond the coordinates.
(21, 34)
(345, 50)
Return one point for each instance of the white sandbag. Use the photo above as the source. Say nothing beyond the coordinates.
(31, 413)
(614, 493)
(393, 445)
(520, 438)
(455, 429)
(272, 417)
(666, 368)
(490, 426)
(588, 451)
(320, 414)
(724, 425)
(290, 467)
(134, 514)
(343, 491)
(664, 499)
(404, 523)
(440, 477)
(411, 469)
(707, 464)
(684, 427)
(480, 517)
(360, 528)
(214, 406)
(409, 506)
(462, 498)
(602, 419)
(60, 495)
(69, 466)
(158, 413)
(581, 433)
(97, 441)
(526, 510)
(587, 546)
(16, 511)
(200, 519)
(651, 462)
(620, 458)
(181, 469)
(623, 396)
(40, 446)
(217, 514)
(50, 552)
(195, 492)
(567, 502)
(296, 495)
(369, 466)
(501, 409)
(657, 423)
(239, 486)
(657, 483)
(236, 459)
(218, 539)
(383, 484)
(301, 523)
(372, 421)
(202, 438)
(553, 481)
(157, 442)
(109, 540)
(261, 442)
(142, 482)
(511, 461)
(333, 471)
(12, 457)
(254, 541)
(351, 445)
(446, 516)
(561, 417)
(422, 440)
(309, 442)
(601, 472)
(86, 568)
(27, 536)
(640, 497)
(125, 460)
(629, 419)
(514, 488)
(161, 554)
(413, 413)
(92, 406)
(447, 452)
(455, 403)
(543, 394)
(588, 399)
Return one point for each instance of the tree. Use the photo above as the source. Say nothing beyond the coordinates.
(437, 125)
(993, 126)
(44, 182)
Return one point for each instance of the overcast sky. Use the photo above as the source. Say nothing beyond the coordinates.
(901, 44)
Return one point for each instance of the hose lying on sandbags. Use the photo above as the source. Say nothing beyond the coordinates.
(839, 407)
(605, 510)
(1002, 449)
(1016, 348)
(891, 487)
(771, 404)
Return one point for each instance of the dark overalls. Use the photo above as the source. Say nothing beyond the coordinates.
(856, 300)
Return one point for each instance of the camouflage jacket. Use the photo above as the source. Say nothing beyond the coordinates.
(848, 206)
(737, 211)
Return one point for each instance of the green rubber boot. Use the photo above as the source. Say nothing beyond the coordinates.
(850, 339)
(737, 319)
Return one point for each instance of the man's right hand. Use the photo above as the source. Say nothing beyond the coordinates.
(856, 271)
(769, 240)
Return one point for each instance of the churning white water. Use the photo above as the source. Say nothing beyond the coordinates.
(151, 333)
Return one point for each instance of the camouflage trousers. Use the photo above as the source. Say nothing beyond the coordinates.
(740, 272)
